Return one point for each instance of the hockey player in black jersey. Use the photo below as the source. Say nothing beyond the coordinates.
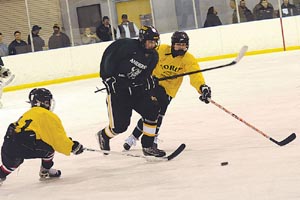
(173, 59)
(126, 70)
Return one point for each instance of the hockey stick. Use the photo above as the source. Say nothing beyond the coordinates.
(99, 89)
(148, 158)
(287, 140)
(114, 153)
(235, 61)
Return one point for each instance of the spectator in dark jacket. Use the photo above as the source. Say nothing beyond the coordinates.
(103, 31)
(212, 18)
(38, 42)
(263, 10)
(58, 39)
(247, 13)
(18, 45)
(288, 9)
(244, 13)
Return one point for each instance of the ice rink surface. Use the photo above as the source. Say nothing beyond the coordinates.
(264, 90)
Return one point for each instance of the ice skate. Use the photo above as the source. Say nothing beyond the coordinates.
(151, 151)
(49, 173)
(103, 141)
(129, 142)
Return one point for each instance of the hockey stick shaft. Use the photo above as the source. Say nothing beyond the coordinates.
(187, 73)
(281, 143)
(235, 61)
(171, 156)
(112, 152)
(121, 154)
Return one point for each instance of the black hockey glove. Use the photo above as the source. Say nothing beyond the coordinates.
(77, 148)
(110, 84)
(4, 72)
(205, 93)
(151, 83)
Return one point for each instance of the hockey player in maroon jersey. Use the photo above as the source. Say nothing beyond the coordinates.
(37, 134)
(126, 70)
(173, 59)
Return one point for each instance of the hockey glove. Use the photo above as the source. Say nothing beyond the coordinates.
(4, 72)
(110, 84)
(77, 148)
(205, 93)
(151, 83)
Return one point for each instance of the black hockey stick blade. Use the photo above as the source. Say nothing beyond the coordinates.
(285, 141)
(176, 152)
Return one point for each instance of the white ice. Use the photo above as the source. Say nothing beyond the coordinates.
(263, 90)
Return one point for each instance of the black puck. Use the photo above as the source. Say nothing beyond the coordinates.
(224, 163)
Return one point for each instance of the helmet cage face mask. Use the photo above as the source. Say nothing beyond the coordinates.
(41, 97)
(179, 37)
(149, 33)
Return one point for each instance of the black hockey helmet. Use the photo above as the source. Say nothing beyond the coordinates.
(148, 33)
(41, 97)
(179, 37)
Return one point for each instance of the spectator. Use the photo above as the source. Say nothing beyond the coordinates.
(88, 37)
(263, 10)
(244, 13)
(212, 18)
(18, 45)
(288, 9)
(104, 30)
(58, 39)
(38, 42)
(3, 47)
(127, 29)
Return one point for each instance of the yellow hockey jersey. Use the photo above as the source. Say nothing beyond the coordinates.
(47, 127)
(169, 66)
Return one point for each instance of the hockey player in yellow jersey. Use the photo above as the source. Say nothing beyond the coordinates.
(173, 59)
(38, 133)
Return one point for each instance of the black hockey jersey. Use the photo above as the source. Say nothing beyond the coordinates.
(126, 60)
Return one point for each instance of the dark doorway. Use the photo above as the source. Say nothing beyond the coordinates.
(89, 16)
